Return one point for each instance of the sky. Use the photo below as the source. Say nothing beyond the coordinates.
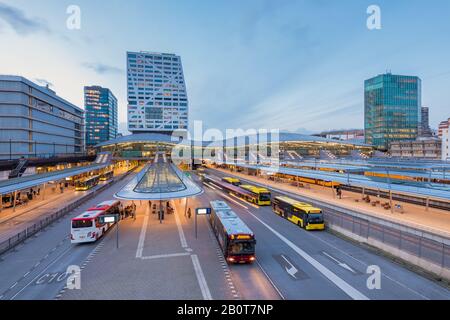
(293, 65)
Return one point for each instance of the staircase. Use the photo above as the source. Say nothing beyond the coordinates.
(19, 169)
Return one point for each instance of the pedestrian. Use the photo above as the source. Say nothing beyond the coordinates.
(189, 213)
(61, 188)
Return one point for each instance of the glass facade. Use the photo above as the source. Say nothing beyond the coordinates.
(392, 109)
(101, 115)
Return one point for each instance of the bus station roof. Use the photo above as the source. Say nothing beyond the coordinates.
(159, 180)
(22, 183)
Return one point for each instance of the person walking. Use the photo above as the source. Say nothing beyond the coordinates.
(189, 213)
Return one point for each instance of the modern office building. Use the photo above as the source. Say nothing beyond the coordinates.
(392, 109)
(444, 135)
(35, 122)
(157, 99)
(101, 115)
(425, 130)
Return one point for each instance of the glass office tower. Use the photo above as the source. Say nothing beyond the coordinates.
(392, 109)
(101, 115)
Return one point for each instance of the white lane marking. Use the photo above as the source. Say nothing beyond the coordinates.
(201, 278)
(366, 265)
(40, 274)
(270, 280)
(209, 186)
(180, 229)
(341, 264)
(140, 246)
(341, 284)
(26, 274)
(232, 200)
(15, 284)
(251, 204)
(169, 255)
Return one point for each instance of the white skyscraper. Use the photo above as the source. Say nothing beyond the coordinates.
(157, 99)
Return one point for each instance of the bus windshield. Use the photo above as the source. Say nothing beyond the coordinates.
(79, 224)
(264, 196)
(315, 218)
(242, 247)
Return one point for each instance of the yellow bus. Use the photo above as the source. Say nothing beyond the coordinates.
(106, 176)
(302, 214)
(262, 195)
(87, 183)
(234, 181)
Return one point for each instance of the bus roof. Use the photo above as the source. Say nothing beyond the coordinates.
(231, 179)
(105, 205)
(297, 204)
(254, 188)
(231, 222)
(88, 215)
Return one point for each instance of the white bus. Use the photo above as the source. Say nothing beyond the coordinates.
(87, 227)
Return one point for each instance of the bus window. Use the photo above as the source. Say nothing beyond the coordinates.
(79, 224)
(242, 247)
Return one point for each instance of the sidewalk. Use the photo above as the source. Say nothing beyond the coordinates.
(154, 261)
(433, 220)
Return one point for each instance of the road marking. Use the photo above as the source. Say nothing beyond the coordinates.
(26, 274)
(270, 280)
(140, 246)
(341, 264)
(15, 284)
(40, 274)
(251, 204)
(169, 255)
(232, 200)
(341, 284)
(291, 270)
(180, 229)
(209, 186)
(201, 278)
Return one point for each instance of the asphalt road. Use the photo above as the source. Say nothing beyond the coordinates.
(320, 265)
(36, 269)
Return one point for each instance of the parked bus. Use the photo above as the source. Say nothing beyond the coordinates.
(106, 176)
(262, 194)
(302, 214)
(232, 189)
(234, 181)
(87, 183)
(236, 240)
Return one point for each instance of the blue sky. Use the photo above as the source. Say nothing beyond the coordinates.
(293, 65)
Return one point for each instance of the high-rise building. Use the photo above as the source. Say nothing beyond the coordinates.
(425, 130)
(392, 109)
(35, 122)
(101, 115)
(157, 98)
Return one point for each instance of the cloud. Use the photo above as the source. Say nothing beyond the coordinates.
(20, 23)
(101, 68)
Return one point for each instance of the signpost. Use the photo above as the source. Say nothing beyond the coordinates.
(113, 218)
(200, 212)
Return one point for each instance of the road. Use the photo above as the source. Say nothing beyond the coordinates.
(37, 268)
(320, 265)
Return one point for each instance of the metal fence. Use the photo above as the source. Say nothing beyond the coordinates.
(418, 243)
(48, 220)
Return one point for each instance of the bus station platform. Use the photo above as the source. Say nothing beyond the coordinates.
(432, 220)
